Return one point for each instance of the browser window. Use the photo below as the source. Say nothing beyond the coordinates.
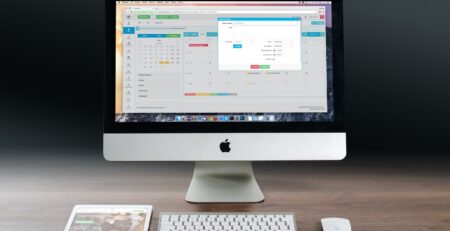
(223, 61)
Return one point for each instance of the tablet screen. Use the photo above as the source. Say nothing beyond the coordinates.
(109, 219)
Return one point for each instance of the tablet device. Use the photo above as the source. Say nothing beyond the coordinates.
(109, 218)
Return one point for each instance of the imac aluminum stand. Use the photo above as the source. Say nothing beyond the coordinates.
(224, 182)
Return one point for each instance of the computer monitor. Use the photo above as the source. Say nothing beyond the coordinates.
(223, 84)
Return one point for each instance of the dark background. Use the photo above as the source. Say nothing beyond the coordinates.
(397, 75)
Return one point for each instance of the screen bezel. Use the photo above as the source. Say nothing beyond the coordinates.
(111, 126)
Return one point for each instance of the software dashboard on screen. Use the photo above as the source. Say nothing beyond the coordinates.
(223, 61)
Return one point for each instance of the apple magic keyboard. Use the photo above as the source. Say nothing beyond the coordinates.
(227, 222)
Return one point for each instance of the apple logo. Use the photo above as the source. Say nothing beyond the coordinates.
(225, 146)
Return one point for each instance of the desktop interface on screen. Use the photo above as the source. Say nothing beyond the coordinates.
(267, 61)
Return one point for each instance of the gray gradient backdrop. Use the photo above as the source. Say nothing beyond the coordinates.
(397, 75)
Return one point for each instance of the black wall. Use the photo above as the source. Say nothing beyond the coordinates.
(397, 74)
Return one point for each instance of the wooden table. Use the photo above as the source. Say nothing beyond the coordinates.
(38, 191)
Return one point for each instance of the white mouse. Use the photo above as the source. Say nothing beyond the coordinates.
(335, 224)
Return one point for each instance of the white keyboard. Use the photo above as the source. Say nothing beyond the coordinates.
(227, 222)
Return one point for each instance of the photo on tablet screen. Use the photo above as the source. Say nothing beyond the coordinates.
(109, 219)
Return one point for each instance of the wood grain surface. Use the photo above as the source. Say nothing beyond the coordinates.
(38, 190)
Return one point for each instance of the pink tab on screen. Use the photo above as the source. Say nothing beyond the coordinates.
(254, 66)
(198, 44)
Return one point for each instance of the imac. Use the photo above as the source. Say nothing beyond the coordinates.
(223, 84)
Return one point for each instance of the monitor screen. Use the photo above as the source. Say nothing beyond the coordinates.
(234, 62)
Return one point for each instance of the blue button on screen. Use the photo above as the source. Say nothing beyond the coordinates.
(128, 30)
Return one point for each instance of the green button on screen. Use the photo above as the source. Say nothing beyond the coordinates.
(167, 16)
(173, 35)
(144, 16)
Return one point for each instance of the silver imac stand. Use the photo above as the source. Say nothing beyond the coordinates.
(224, 182)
